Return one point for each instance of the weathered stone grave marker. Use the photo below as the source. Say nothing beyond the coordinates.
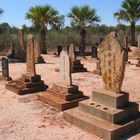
(76, 65)
(5, 69)
(63, 95)
(19, 53)
(30, 82)
(37, 52)
(109, 114)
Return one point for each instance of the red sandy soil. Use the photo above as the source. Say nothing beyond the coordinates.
(26, 118)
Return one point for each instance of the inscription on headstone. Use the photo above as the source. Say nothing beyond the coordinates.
(112, 59)
(65, 73)
(30, 55)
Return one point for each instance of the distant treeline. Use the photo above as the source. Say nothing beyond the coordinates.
(66, 35)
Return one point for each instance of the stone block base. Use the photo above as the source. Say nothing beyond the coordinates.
(62, 97)
(106, 114)
(102, 128)
(26, 85)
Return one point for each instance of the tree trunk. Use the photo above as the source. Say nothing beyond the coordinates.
(82, 42)
(133, 40)
(42, 38)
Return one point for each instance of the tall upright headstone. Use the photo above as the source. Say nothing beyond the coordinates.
(112, 63)
(109, 114)
(30, 55)
(63, 95)
(5, 69)
(72, 52)
(37, 52)
(21, 40)
(29, 82)
(65, 73)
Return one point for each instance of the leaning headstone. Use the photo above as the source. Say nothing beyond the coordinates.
(30, 82)
(138, 41)
(63, 95)
(108, 114)
(37, 52)
(5, 69)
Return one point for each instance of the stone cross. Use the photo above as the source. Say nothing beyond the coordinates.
(72, 52)
(21, 39)
(112, 59)
(5, 68)
(65, 74)
(30, 55)
(138, 41)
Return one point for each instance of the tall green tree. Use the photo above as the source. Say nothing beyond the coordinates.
(42, 17)
(129, 12)
(83, 17)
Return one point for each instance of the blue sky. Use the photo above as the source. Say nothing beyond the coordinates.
(15, 10)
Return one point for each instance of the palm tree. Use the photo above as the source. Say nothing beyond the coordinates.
(42, 17)
(130, 12)
(83, 17)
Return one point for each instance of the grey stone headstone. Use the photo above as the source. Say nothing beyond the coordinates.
(5, 67)
(65, 74)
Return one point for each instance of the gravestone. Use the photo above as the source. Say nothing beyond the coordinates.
(94, 52)
(139, 41)
(19, 54)
(109, 113)
(76, 65)
(59, 50)
(37, 52)
(5, 69)
(65, 72)
(30, 56)
(30, 82)
(126, 48)
(63, 95)
(72, 52)
(112, 63)
(98, 68)
(21, 40)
